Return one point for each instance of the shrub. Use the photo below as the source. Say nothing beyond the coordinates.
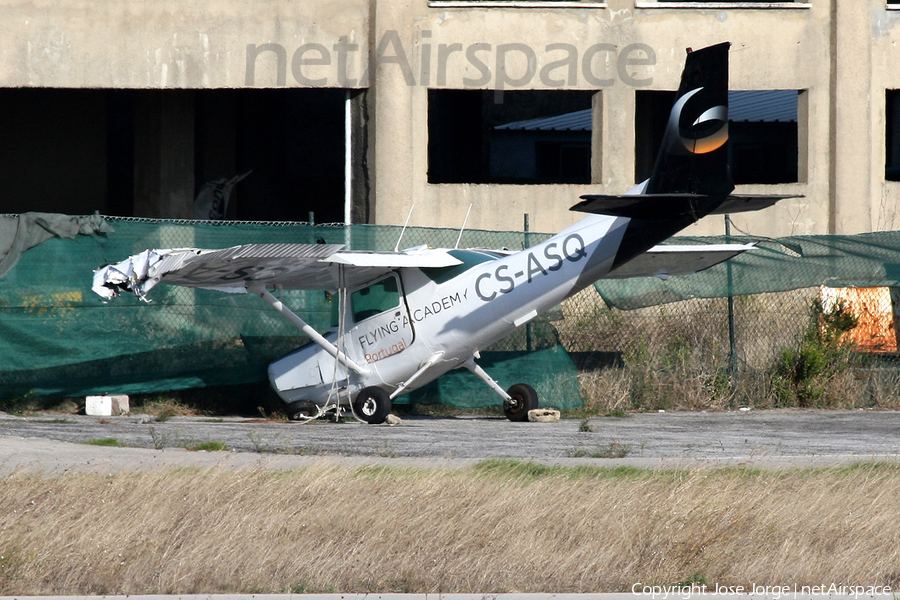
(803, 372)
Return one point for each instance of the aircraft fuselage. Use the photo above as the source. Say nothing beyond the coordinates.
(448, 320)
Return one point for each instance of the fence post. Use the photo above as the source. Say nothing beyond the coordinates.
(732, 363)
(528, 343)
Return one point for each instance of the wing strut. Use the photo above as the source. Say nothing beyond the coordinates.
(314, 335)
(434, 358)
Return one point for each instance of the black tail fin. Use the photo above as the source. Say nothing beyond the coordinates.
(693, 158)
(691, 178)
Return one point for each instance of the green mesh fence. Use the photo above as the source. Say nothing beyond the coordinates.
(775, 265)
(738, 334)
(59, 338)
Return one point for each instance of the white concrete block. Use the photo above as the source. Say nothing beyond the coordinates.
(543, 415)
(106, 406)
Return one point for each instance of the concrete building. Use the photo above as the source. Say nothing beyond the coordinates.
(356, 109)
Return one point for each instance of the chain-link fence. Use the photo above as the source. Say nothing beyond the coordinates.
(59, 338)
(762, 350)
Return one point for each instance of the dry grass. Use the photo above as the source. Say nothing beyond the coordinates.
(605, 390)
(698, 388)
(677, 356)
(164, 407)
(497, 527)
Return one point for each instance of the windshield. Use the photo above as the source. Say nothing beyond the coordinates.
(469, 259)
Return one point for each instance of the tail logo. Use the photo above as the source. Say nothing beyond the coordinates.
(705, 134)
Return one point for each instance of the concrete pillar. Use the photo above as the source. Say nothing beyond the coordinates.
(618, 140)
(850, 182)
(597, 138)
(392, 87)
(164, 154)
(362, 124)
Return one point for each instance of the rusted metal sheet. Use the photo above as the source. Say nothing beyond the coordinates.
(875, 330)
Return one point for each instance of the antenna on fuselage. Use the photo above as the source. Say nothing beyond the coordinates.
(402, 231)
(463, 228)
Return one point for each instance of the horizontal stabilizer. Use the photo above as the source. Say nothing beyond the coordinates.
(737, 203)
(665, 261)
(672, 206)
(640, 206)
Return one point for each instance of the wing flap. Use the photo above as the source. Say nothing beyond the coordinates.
(665, 261)
(427, 258)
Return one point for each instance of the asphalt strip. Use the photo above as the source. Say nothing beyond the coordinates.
(19, 454)
(684, 440)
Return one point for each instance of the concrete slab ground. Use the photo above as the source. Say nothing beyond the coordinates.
(782, 438)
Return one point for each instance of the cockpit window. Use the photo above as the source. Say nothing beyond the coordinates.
(469, 259)
(375, 299)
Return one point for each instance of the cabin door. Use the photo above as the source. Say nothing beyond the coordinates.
(378, 320)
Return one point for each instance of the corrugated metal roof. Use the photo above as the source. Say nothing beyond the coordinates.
(769, 106)
(580, 120)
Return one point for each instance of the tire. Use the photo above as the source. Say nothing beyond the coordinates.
(523, 398)
(296, 409)
(372, 405)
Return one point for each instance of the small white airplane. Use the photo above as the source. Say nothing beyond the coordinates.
(407, 317)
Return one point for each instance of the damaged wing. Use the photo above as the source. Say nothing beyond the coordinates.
(233, 270)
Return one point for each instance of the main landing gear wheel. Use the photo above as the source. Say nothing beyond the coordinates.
(299, 409)
(372, 405)
(522, 399)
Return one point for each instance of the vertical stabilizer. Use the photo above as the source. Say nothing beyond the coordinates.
(693, 158)
(691, 178)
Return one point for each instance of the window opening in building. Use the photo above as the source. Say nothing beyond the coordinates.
(892, 135)
(762, 126)
(293, 140)
(54, 156)
(533, 136)
(129, 152)
(562, 3)
(727, 1)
